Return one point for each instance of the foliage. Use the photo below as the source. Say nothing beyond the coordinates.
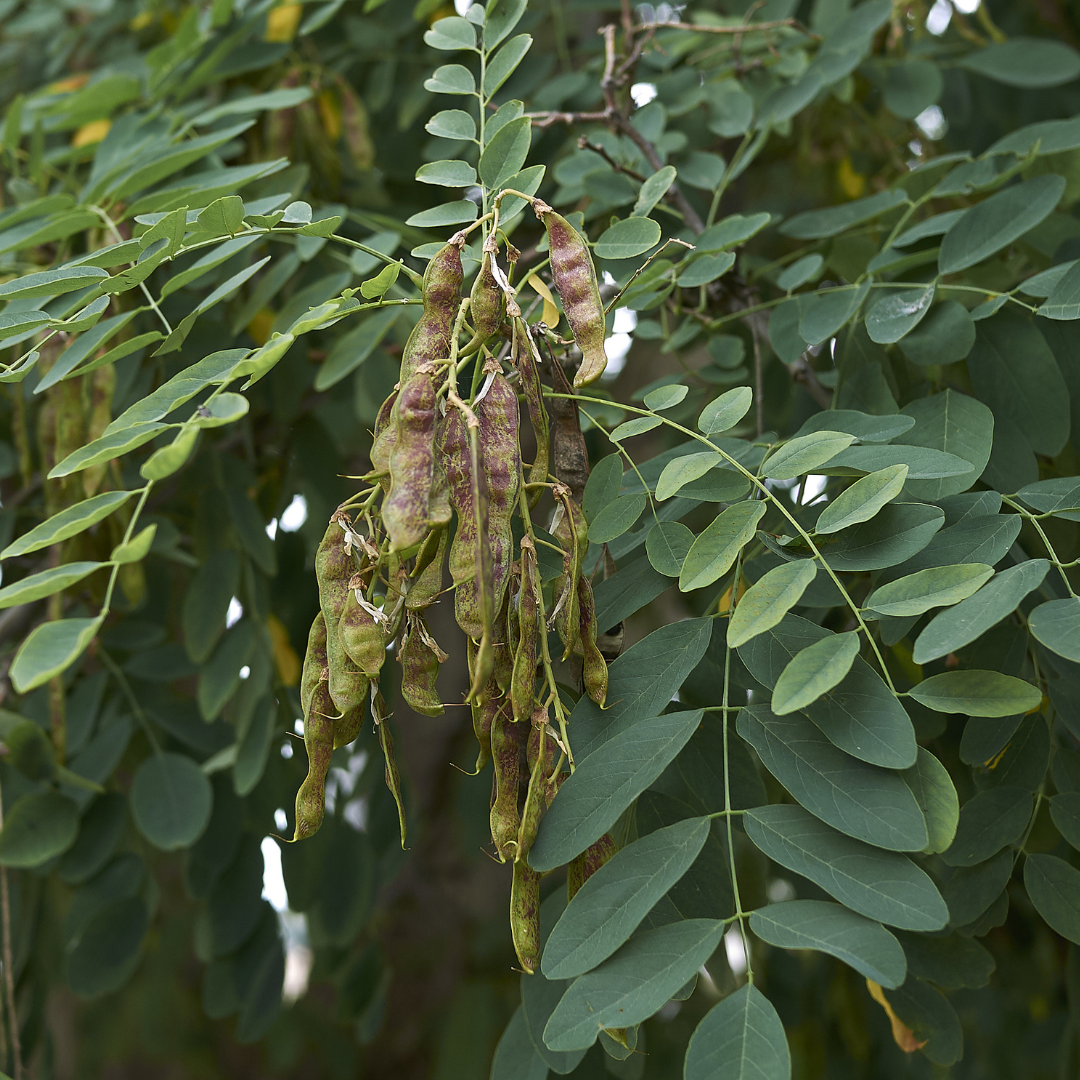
(827, 818)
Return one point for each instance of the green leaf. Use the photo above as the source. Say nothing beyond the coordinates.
(451, 79)
(741, 1038)
(814, 671)
(453, 124)
(861, 943)
(863, 426)
(653, 190)
(706, 268)
(805, 454)
(515, 1057)
(817, 224)
(1054, 888)
(665, 397)
(633, 984)
(926, 589)
(951, 630)
(51, 648)
(504, 63)
(627, 238)
(616, 518)
(602, 487)
(726, 411)
(953, 962)
(171, 800)
(800, 272)
(911, 87)
(608, 908)
(447, 174)
(1025, 62)
(208, 262)
(451, 213)
(861, 800)
(285, 98)
(500, 18)
(863, 499)
(451, 34)
(137, 548)
(1060, 496)
(48, 283)
(635, 585)
(882, 885)
(219, 677)
(768, 600)
(638, 426)
(682, 470)
(107, 448)
(37, 828)
(997, 221)
(931, 1018)
(989, 821)
(714, 551)
(943, 337)
(46, 583)
(1057, 626)
(107, 952)
(894, 535)
(932, 787)
(223, 217)
(355, 347)
(505, 154)
(667, 546)
(825, 313)
(977, 693)
(605, 783)
(1014, 372)
(1063, 302)
(206, 603)
(861, 716)
(1065, 811)
(923, 463)
(895, 314)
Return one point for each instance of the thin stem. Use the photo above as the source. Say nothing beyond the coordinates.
(133, 701)
(1044, 538)
(9, 967)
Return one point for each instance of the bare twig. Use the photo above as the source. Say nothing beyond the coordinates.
(584, 143)
(807, 378)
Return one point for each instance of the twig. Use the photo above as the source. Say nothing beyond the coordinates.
(743, 28)
(584, 143)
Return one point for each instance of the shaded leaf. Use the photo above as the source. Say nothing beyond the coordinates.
(741, 1038)
(977, 693)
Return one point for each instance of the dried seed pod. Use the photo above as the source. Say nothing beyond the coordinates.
(427, 573)
(525, 916)
(506, 756)
(487, 305)
(594, 672)
(498, 417)
(412, 464)
(420, 657)
(575, 280)
(319, 742)
(386, 743)
(523, 681)
(568, 441)
(362, 639)
(430, 339)
(525, 359)
(582, 867)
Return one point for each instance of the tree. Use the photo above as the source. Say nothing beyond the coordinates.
(710, 443)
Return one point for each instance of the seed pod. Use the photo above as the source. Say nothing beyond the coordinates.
(582, 867)
(483, 715)
(571, 455)
(503, 666)
(501, 458)
(525, 916)
(540, 755)
(362, 639)
(487, 305)
(412, 464)
(523, 682)
(385, 436)
(505, 754)
(427, 573)
(575, 279)
(523, 354)
(386, 742)
(430, 339)
(594, 672)
(319, 742)
(572, 532)
(333, 570)
(314, 670)
(349, 726)
(420, 668)
(439, 512)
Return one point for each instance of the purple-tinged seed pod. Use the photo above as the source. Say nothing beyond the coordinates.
(582, 867)
(525, 916)
(314, 670)
(333, 571)
(506, 737)
(412, 464)
(594, 671)
(426, 583)
(419, 669)
(430, 339)
(385, 435)
(523, 681)
(522, 355)
(487, 306)
(362, 639)
(319, 743)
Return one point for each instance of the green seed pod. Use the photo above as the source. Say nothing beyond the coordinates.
(575, 280)
(506, 756)
(487, 305)
(349, 726)
(362, 640)
(503, 667)
(420, 668)
(540, 755)
(386, 743)
(412, 464)
(582, 867)
(497, 413)
(523, 681)
(594, 672)
(483, 715)
(319, 742)
(525, 916)
(572, 532)
(525, 360)
(385, 437)
(314, 670)
(439, 511)
(430, 339)
(427, 573)
(333, 571)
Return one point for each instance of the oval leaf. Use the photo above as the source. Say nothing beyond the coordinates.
(1057, 626)
(46, 583)
(742, 1037)
(38, 828)
(627, 239)
(863, 499)
(977, 693)
(51, 648)
(171, 799)
(805, 454)
(67, 523)
(726, 411)
(616, 518)
(716, 549)
(769, 599)
(1054, 888)
(939, 586)
(814, 671)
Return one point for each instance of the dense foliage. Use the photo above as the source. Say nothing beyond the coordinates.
(768, 630)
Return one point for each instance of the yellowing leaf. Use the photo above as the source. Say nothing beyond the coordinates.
(852, 184)
(90, 133)
(141, 21)
(901, 1033)
(260, 326)
(551, 312)
(282, 21)
(65, 86)
(285, 659)
(330, 113)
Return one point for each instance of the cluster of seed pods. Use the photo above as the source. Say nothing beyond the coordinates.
(446, 484)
